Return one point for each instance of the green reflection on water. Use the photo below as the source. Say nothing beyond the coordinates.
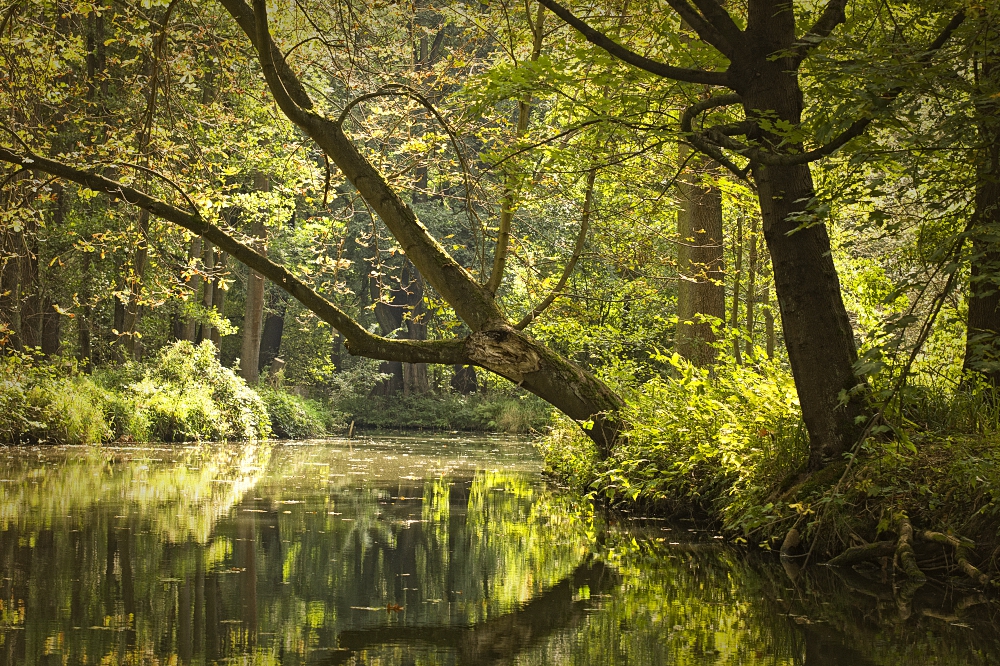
(400, 551)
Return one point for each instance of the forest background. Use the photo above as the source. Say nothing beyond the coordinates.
(749, 253)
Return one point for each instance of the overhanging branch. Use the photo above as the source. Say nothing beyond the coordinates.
(359, 341)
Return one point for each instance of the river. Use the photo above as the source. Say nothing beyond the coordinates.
(412, 551)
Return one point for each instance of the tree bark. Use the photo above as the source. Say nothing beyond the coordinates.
(274, 327)
(817, 330)
(219, 296)
(701, 287)
(191, 325)
(415, 374)
(734, 318)
(132, 311)
(982, 348)
(208, 295)
(751, 284)
(253, 318)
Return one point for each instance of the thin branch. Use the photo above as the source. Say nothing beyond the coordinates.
(507, 204)
(581, 240)
(631, 57)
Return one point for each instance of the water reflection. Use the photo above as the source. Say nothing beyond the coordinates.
(406, 551)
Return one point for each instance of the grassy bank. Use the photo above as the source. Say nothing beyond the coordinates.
(181, 394)
(729, 447)
(184, 394)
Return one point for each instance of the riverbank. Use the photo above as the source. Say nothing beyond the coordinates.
(730, 449)
(184, 394)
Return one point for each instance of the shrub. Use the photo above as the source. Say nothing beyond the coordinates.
(186, 394)
(294, 417)
(717, 440)
(450, 411)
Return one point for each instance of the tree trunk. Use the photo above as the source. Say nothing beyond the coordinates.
(464, 380)
(51, 329)
(751, 284)
(274, 327)
(982, 348)
(9, 275)
(415, 374)
(817, 330)
(701, 287)
(207, 299)
(191, 325)
(139, 260)
(734, 318)
(30, 301)
(219, 297)
(83, 322)
(254, 317)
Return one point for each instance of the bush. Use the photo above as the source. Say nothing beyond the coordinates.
(38, 405)
(716, 440)
(294, 417)
(186, 394)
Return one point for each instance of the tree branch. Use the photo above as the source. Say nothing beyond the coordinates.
(698, 140)
(470, 300)
(507, 204)
(359, 341)
(617, 50)
(856, 129)
(714, 25)
(832, 16)
(581, 240)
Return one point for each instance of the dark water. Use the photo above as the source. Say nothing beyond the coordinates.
(411, 551)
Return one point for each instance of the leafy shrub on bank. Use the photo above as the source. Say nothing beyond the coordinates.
(295, 417)
(186, 394)
(38, 404)
(716, 441)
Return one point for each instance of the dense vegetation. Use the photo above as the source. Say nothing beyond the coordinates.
(750, 254)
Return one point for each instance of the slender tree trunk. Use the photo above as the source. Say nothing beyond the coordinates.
(751, 284)
(51, 328)
(208, 297)
(219, 297)
(191, 325)
(734, 317)
(132, 311)
(415, 380)
(982, 349)
(769, 322)
(30, 300)
(10, 269)
(83, 322)
(253, 319)
(701, 287)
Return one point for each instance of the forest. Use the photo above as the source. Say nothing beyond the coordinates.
(736, 261)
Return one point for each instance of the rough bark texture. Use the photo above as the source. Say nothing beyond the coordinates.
(701, 287)
(982, 351)
(208, 292)
(132, 310)
(219, 296)
(274, 328)
(817, 330)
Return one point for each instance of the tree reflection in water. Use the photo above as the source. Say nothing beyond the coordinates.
(405, 552)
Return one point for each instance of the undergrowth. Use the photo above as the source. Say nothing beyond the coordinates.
(728, 445)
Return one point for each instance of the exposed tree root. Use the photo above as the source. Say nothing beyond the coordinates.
(869, 551)
(905, 558)
(962, 548)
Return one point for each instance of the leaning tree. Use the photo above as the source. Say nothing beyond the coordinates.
(764, 52)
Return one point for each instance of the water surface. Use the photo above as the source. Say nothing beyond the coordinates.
(411, 550)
